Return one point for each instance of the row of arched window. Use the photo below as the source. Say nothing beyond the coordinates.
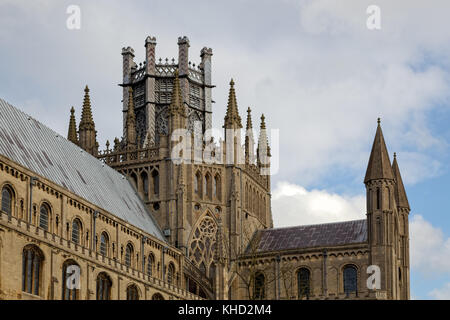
(255, 201)
(76, 232)
(350, 282)
(32, 262)
(208, 187)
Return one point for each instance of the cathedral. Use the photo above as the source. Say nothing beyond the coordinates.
(168, 213)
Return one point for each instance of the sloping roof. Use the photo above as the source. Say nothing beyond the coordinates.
(29, 143)
(379, 166)
(318, 235)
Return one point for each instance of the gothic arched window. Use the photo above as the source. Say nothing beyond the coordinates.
(104, 244)
(104, 285)
(207, 186)
(197, 183)
(170, 273)
(67, 292)
(132, 292)
(150, 264)
(129, 255)
(144, 178)
(202, 247)
(76, 231)
(217, 188)
(7, 200)
(44, 216)
(260, 286)
(303, 282)
(350, 279)
(32, 259)
(155, 177)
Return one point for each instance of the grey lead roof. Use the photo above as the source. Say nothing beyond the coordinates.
(318, 235)
(29, 143)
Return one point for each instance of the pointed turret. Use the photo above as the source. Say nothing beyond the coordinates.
(400, 194)
(86, 129)
(131, 121)
(249, 139)
(263, 151)
(232, 117)
(72, 133)
(379, 166)
(87, 122)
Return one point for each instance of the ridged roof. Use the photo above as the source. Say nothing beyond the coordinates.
(310, 236)
(31, 144)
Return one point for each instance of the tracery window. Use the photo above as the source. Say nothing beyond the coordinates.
(44, 216)
(128, 254)
(259, 287)
(350, 279)
(202, 247)
(303, 283)
(104, 285)
(76, 231)
(7, 197)
(32, 259)
(132, 292)
(104, 244)
(67, 293)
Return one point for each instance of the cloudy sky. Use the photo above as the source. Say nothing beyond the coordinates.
(312, 67)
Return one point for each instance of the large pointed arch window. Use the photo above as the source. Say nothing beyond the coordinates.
(202, 246)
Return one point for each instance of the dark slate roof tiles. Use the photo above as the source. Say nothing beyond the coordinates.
(310, 236)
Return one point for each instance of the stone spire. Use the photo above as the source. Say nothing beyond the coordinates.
(379, 166)
(263, 150)
(87, 122)
(249, 139)
(400, 194)
(131, 121)
(86, 129)
(232, 118)
(72, 134)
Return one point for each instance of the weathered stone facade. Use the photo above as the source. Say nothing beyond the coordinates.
(215, 219)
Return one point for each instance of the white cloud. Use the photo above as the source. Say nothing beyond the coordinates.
(429, 248)
(294, 205)
(441, 293)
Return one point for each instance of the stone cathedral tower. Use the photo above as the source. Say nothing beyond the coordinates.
(210, 211)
